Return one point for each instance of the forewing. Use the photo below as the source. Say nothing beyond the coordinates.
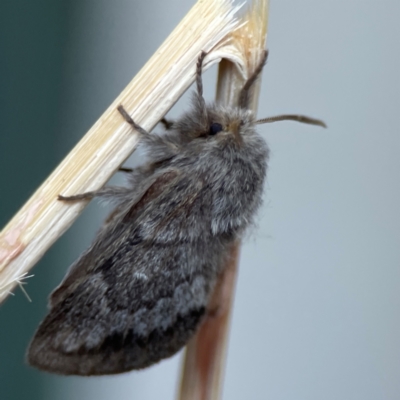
(143, 297)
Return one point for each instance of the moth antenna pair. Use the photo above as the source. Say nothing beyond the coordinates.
(244, 96)
(244, 100)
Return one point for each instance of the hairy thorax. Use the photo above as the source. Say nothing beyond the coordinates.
(232, 165)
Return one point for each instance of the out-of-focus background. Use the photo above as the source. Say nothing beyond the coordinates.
(316, 314)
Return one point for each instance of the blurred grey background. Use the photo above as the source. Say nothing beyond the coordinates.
(316, 314)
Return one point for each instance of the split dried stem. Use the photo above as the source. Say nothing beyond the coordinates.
(154, 90)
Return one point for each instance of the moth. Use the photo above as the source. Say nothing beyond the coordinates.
(141, 290)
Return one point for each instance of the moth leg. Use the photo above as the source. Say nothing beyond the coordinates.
(123, 169)
(77, 197)
(167, 123)
(245, 92)
(130, 121)
(110, 192)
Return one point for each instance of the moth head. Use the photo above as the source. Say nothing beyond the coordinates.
(229, 124)
(216, 124)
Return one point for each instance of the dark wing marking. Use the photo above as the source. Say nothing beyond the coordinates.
(143, 297)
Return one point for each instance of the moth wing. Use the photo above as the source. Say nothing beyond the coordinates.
(118, 224)
(143, 298)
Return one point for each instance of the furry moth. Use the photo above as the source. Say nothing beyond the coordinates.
(141, 290)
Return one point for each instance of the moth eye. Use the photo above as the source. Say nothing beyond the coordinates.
(215, 128)
(241, 122)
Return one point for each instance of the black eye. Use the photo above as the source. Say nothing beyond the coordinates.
(215, 128)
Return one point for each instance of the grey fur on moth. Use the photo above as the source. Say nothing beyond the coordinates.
(139, 293)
